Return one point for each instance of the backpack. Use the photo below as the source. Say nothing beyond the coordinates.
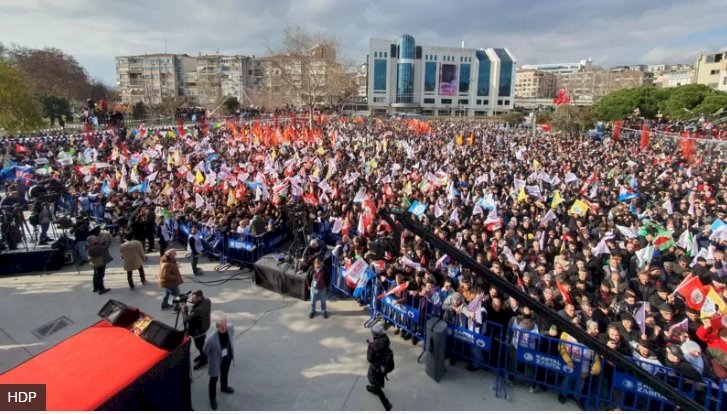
(388, 362)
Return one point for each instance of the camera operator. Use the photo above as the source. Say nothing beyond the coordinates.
(81, 230)
(198, 323)
(43, 218)
(315, 249)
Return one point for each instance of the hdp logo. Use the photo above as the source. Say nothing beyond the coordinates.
(528, 357)
(628, 384)
(567, 369)
(480, 343)
(696, 296)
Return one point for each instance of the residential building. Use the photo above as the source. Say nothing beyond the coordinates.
(534, 84)
(204, 80)
(592, 84)
(435, 80)
(561, 69)
(711, 70)
(670, 79)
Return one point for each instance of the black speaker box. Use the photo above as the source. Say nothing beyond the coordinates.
(163, 336)
(119, 314)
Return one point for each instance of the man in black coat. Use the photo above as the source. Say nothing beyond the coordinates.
(198, 323)
(376, 355)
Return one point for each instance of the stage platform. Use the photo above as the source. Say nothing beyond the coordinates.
(281, 277)
(35, 259)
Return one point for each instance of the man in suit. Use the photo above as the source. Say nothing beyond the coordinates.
(219, 349)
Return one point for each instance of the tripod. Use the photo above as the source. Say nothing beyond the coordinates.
(297, 246)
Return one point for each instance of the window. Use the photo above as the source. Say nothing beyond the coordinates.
(379, 99)
(430, 77)
(464, 78)
(404, 83)
(376, 54)
(385, 54)
(429, 100)
(479, 102)
(507, 102)
(379, 75)
(483, 74)
(506, 65)
(724, 81)
(499, 101)
(446, 101)
(464, 101)
(714, 72)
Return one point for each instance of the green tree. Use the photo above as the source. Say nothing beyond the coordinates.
(543, 117)
(712, 104)
(514, 118)
(231, 105)
(18, 109)
(55, 108)
(138, 111)
(620, 104)
(684, 99)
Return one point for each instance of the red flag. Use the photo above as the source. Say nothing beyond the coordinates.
(693, 293)
(19, 148)
(645, 136)
(688, 146)
(402, 287)
(617, 128)
(310, 198)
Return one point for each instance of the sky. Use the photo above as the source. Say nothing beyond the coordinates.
(614, 32)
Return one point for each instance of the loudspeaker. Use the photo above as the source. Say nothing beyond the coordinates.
(163, 336)
(119, 314)
(435, 348)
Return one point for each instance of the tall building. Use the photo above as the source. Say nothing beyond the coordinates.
(561, 69)
(434, 80)
(202, 80)
(590, 85)
(711, 70)
(534, 84)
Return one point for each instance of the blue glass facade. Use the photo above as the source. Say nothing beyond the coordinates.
(464, 78)
(506, 64)
(380, 75)
(430, 76)
(406, 49)
(483, 74)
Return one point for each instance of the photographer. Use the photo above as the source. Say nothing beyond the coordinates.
(198, 323)
(80, 232)
(315, 249)
(43, 218)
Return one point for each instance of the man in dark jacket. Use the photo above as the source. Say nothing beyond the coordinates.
(376, 355)
(198, 323)
(318, 281)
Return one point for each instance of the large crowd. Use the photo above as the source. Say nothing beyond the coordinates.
(609, 233)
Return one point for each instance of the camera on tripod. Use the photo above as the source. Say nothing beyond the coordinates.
(180, 300)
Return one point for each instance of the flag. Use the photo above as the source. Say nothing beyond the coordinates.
(106, 188)
(438, 212)
(570, 177)
(360, 196)
(716, 225)
(534, 191)
(644, 256)
(549, 216)
(556, 200)
(713, 304)
(640, 317)
(231, 200)
(617, 128)
(686, 241)
(602, 247)
(152, 176)
(199, 177)
(664, 240)
(454, 216)
(400, 288)
(418, 209)
(198, 201)
(693, 293)
(579, 208)
(122, 184)
(668, 206)
(645, 136)
(477, 210)
(684, 324)
(627, 196)
(521, 195)
(139, 187)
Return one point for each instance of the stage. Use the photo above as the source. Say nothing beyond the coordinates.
(281, 277)
(109, 368)
(35, 259)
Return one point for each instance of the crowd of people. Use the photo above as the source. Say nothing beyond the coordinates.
(607, 233)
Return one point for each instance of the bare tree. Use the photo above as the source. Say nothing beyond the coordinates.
(305, 70)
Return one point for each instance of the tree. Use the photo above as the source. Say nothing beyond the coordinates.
(55, 108)
(18, 109)
(621, 104)
(138, 111)
(305, 69)
(514, 118)
(231, 105)
(52, 72)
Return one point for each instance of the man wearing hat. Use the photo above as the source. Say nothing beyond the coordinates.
(675, 360)
(378, 347)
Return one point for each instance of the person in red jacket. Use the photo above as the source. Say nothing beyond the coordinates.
(714, 334)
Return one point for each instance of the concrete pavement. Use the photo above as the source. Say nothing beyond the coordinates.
(284, 361)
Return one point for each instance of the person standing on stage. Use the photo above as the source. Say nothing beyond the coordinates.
(198, 323)
(132, 252)
(219, 349)
(169, 277)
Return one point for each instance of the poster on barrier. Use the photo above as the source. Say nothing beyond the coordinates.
(356, 271)
(550, 362)
(469, 337)
(235, 244)
(407, 311)
(626, 382)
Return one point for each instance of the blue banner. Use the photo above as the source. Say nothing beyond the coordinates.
(406, 311)
(236, 244)
(626, 382)
(549, 362)
(472, 338)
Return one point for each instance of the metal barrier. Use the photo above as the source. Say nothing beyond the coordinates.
(596, 384)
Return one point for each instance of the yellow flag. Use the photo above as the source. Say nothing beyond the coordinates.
(536, 164)
(231, 200)
(407, 188)
(579, 208)
(199, 177)
(521, 195)
(321, 151)
(167, 190)
(556, 199)
(471, 139)
(459, 140)
(713, 304)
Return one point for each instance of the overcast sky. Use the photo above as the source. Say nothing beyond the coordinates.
(610, 32)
